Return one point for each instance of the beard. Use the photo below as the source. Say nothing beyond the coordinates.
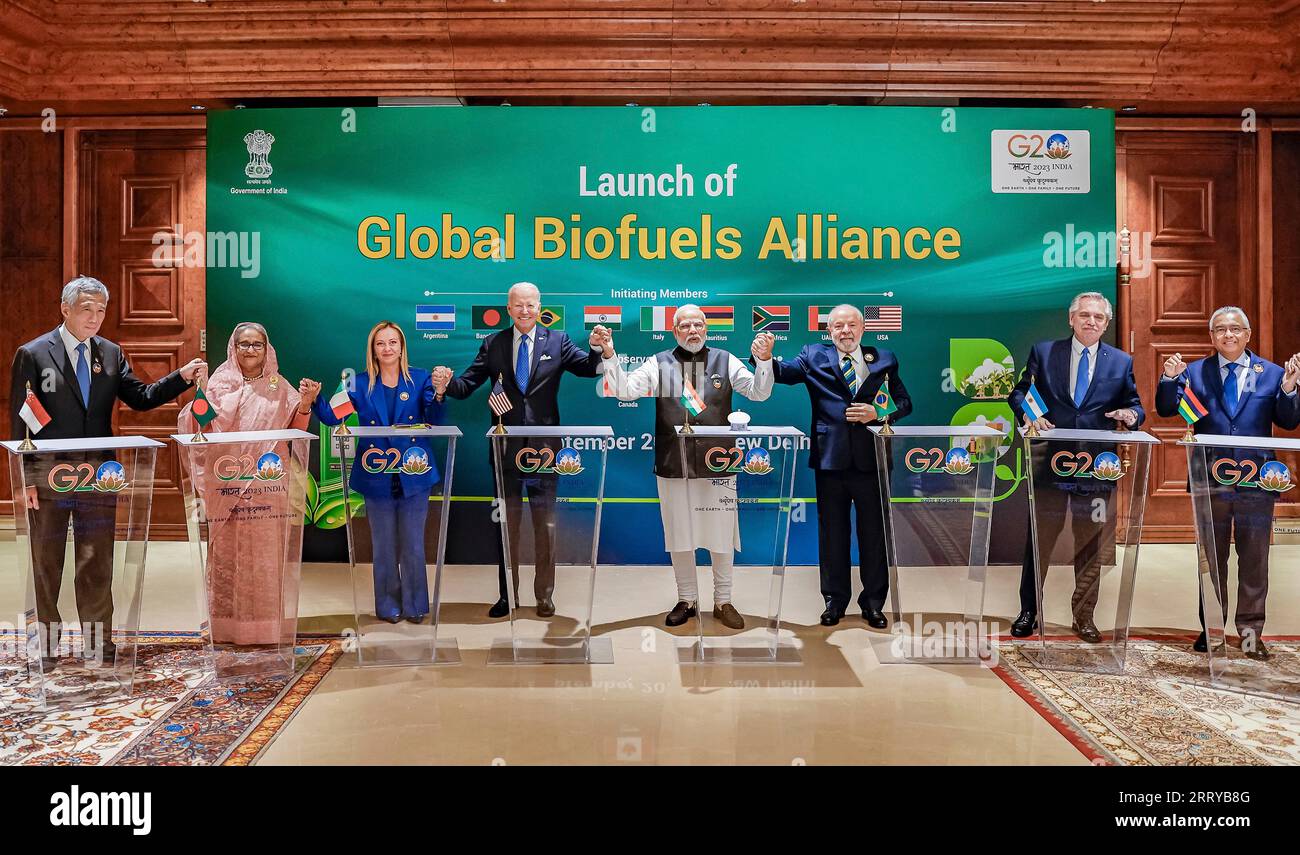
(689, 347)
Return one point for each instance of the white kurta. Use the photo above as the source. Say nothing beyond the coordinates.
(697, 513)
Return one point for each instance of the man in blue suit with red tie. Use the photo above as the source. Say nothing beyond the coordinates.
(1243, 395)
(1088, 385)
(843, 378)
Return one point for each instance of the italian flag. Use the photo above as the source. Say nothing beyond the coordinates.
(691, 399)
(340, 403)
(657, 318)
(33, 413)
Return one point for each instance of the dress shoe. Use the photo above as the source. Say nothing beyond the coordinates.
(1087, 630)
(681, 613)
(1258, 651)
(108, 652)
(831, 617)
(875, 618)
(48, 664)
(499, 609)
(727, 615)
(1201, 645)
(416, 619)
(545, 607)
(1024, 624)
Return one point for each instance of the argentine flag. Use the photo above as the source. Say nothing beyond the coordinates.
(1034, 406)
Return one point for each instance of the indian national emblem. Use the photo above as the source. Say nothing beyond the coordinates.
(258, 144)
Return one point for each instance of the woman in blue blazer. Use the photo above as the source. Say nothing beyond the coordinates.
(396, 490)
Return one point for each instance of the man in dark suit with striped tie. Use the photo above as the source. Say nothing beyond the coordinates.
(529, 360)
(1088, 385)
(1243, 395)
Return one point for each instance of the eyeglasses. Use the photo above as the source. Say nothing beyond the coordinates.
(254, 346)
(1222, 331)
(691, 325)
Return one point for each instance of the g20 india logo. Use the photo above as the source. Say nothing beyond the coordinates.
(930, 460)
(734, 460)
(110, 477)
(391, 461)
(268, 467)
(1272, 476)
(1081, 464)
(1032, 145)
(545, 461)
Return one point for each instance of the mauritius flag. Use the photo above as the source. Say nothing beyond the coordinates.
(691, 399)
(202, 410)
(884, 402)
(1191, 408)
(719, 318)
(340, 403)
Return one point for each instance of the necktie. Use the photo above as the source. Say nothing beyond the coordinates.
(1230, 389)
(1081, 379)
(83, 374)
(522, 365)
(850, 376)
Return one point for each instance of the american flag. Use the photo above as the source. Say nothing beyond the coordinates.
(883, 318)
(498, 400)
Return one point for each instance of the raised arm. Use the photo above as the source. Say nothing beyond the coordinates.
(478, 372)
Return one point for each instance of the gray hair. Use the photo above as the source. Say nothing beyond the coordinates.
(523, 285)
(1229, 310)
(83, 285)
(1092, 295)
(845, 307)
(688, 307)
(250, 325)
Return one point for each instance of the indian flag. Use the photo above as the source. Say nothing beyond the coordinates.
(1191, 408)
(608, 316)
(819, 318)
(33, 414)
(719, 318)
(340, 403)
(657, 318)
(884, 402)
(691, 399)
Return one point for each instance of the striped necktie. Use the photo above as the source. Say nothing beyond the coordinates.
(850, 376)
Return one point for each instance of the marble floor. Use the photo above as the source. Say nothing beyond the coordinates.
(844, 702)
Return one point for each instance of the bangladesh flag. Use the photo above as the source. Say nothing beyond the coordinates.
(884, 402)
(202, 410)
(489, 318)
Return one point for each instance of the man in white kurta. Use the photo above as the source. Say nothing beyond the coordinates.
(697, 512)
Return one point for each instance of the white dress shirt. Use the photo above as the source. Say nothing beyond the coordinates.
(70, 342)
(1076, 353)
(859, 364)
(1240, 365)
(531, 335)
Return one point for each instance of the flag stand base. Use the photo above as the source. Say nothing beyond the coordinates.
(27, 445)
(885, 429)
(1190, 436)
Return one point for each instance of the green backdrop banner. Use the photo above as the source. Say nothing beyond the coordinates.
(963, 233)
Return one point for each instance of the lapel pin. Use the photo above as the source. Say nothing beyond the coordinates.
(1259, 368)
(97, 368)
(870, 358)
(274, 382)
(405, 396)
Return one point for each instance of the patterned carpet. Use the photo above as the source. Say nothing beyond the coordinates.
(1160, 712)
(177, 717)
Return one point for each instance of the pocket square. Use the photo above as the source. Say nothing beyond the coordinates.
(544, 357)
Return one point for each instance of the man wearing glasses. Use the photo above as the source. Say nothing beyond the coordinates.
(1244, 395)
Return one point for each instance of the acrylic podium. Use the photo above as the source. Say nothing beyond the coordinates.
(936, 492)
(1087, 496)
(244, 509)
(750, 472)
(396, 545)
(78, 629)
(1238, 484)
(554, 478)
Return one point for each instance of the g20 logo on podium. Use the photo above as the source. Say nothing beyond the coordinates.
(734, 460)
(230, 467)
(110, 477)
(546, 461)
(1082, 464)
(929, 460)
(1273, 475)
(391, 461)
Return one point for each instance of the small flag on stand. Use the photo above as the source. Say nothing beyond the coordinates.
(1034, 406)
(202, 410)
(691, 399)
(32, 413)
(341, 403)
(1192, 411)
(498, 400)
(884, 402)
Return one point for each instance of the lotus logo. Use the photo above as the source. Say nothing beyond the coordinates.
(415, 462)
(1058, 147)
(1107, 467)
(957, 462)
(270, 467)
(757, 462)
(110, 477)
(1275, 477)
(568, 462)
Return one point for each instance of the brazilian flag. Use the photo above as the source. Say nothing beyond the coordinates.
(552, 317)
(884, 402)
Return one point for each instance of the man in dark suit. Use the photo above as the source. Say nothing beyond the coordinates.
(1244, 395)
(842, 379)
(530, 360)
(79, 378)
(1088, 385)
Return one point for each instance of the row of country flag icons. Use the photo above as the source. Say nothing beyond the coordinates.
(434, 318)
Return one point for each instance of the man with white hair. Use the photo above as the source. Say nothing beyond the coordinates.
(1243, 395)
(1089, 385)
(698, 511)
(846, 380)
(79, 377)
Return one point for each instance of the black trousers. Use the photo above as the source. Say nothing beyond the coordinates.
(1250, 517)
(1052, 507)
(840, 494)
(93, 516)
(540, 490)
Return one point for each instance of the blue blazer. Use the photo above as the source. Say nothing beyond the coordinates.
(553, 354)
(372, 411)
(1112, 388)
(837, 444)
(1261, 404)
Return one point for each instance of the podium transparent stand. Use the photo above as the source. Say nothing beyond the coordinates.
(1087, 495)
(1237, 485)
(396, 608)
(244, 510)
(748, 473)
(936, 489)
(79, 616)
(550, 481)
